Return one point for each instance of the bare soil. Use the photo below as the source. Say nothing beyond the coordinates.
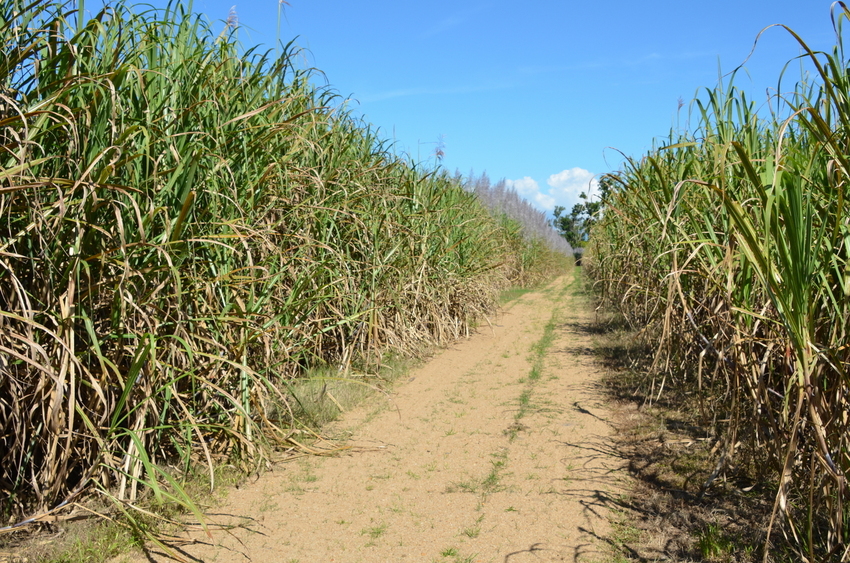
(498, 449)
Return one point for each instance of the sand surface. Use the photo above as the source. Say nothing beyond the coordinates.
(490, 452)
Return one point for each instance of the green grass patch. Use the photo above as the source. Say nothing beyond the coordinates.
(513, 294)
(375, 532)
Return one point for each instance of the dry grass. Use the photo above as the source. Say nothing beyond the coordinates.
(187, 227)
(669, 513)
(726, 247)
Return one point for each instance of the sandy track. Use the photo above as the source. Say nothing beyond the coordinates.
(490, 452)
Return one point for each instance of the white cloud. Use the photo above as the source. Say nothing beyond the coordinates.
(529, 189)
(567, 185)
(525, 187)
(563, 189)
(544, 201)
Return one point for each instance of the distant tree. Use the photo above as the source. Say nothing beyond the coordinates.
(576, 226)
(568, 225)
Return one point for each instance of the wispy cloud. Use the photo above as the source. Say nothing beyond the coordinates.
(649, 58)
(549, 69)
(664, 57)
(452, 21)
(444, 25)
(390, 94)
(404, 92)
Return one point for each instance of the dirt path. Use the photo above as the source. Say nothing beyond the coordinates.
(494, 451)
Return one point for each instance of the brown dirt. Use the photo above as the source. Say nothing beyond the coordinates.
(473, 458)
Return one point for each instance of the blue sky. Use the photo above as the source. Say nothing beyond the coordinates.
(541, 93)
